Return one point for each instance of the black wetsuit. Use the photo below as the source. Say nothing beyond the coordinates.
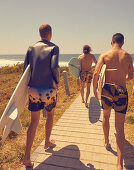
(43, 59)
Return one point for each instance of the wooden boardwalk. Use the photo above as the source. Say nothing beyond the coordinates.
(79, 141)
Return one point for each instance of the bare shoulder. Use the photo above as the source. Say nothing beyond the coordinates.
(93, 58)
(80, 57)
(127, 56)
(105, 55)
(92, 55)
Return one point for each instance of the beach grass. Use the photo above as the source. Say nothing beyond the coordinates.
(12, 150)
(130, 110)
(129, 119)
(17, 68)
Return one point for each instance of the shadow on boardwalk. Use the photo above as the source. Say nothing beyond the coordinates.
(129, 156)
(65, 158)
(94, 110)
(69, 158)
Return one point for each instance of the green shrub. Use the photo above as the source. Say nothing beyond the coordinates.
(130, 119)
(18, 68)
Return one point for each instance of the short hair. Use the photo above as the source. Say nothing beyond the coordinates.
(118, 38)
(45, 30)
(86, 49)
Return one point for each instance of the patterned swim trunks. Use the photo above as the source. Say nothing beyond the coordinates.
(114, 96)
(86, 76)
(40, 98)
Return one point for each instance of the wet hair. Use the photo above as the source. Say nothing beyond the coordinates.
(86, 49)
(118, 38)
(45, 30)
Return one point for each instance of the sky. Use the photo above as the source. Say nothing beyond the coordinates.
(74, 24)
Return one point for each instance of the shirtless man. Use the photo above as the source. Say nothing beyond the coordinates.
(119, 69)
(86, 71)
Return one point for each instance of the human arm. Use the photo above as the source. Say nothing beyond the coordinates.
(54, 64)
(96, 74)
(130, 68)
(95, 61)
(26, 61)
(79, 57)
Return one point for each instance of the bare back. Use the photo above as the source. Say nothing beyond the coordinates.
(118, 60)
(86, 61)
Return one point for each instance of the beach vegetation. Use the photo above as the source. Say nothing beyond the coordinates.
(130, 111)
(130, 119)
(17, 68)
(13, 149)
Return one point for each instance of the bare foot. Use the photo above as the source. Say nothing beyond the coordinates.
(107, 146)
(119, 167)
(83, 101)
(49, 144)
(86, 105)
(28, 163)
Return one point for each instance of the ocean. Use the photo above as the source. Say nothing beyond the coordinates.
(63, 59)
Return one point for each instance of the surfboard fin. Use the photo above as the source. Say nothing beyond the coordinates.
(13, 125)
(12, 112)
(7, 129)
(13, 122)
(16, 126)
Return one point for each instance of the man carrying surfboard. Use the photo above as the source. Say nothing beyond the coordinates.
(119, 70)
(86, 71)
(43, 59)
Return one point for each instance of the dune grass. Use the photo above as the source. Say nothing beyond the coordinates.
(130, 110)
(12, 150)
(129, 120)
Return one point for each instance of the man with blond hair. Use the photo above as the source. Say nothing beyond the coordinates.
(119, 70)
(43, 59)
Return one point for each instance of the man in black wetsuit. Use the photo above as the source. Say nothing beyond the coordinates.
(43, 59)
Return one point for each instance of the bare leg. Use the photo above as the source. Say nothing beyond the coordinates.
(106, 126)
(49, 125)
(120, 138)
(82, 92)
(88, 91)
(35, 116)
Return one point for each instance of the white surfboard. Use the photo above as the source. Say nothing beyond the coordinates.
(10, 117)
(101, 81)
(74, 67)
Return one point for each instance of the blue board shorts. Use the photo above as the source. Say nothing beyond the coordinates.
(40, 98)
